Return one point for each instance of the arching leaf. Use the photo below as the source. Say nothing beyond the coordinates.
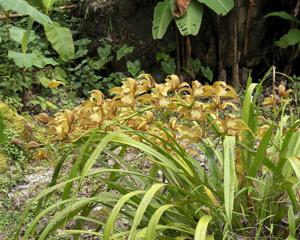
(284, 15)
(162, 18)
(153, 223)
(201, 228)
(142, 208)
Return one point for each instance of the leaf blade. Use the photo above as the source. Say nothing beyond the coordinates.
(23, 8)
(162, 19)
(229, 176)
(201, 228)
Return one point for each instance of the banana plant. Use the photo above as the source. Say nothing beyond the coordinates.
(59, 37)
(186, 13)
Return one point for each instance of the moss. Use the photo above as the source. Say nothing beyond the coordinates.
(11, 118)
(3, 162)
(25, 129)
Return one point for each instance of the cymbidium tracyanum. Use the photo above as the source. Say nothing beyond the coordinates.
(146, 101)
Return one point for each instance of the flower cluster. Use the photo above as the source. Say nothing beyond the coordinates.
(186, 111)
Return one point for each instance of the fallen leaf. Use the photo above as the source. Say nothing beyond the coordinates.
(16, 141)
(41, 154)
(28, 127)
(33, 144)
(43, 117)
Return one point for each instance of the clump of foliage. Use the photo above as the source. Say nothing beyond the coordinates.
(37, 77)
(26, 44)
(87, 73)
(248, 187)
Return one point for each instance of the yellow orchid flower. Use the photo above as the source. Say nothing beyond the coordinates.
(97, 96)
(282, 92)
(162, 90)
(173, 82)
(271, 100)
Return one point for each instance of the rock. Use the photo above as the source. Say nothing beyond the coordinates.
(32, 185)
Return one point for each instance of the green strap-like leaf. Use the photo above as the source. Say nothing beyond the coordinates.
(115, 212)
(23, 8)
(286, 147)
(26, 37)
(229, 175)
(290, 148)
(142, 208)
(60, 186)
(162, 18)
(201, 228)
(71, 210)
(261, 153)
(43, 213)
(221, 7)
(292, 221)
(293, 149)
(247, 102)
(153, 223)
